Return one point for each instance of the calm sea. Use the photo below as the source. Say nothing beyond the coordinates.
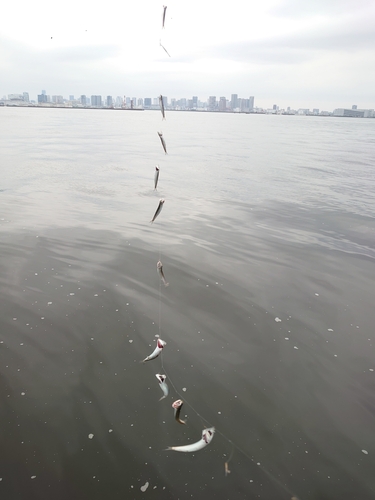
(267, 239)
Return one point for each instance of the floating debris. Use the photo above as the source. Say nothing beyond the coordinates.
(145, 486)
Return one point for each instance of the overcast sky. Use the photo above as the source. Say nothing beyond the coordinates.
(298, 53)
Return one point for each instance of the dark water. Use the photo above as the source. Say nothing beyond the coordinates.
(266, 218)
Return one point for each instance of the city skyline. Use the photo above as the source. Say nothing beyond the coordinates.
(222, 104)
(211, 103)
(295, 53)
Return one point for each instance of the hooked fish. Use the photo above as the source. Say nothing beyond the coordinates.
(163, 142)
(160, 344)
(207, 435)
(164, 11)
(159, 266)
(161, 102)
(162, 46)
(177, 405)
(163, 385)
(158, 210)
(156, 177)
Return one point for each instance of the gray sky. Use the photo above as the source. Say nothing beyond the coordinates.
(298, 53)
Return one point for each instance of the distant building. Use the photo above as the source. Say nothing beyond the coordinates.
(118, 101)
(147, 102)
(173, 103)
(190, 103)
(195, 102)
(315, 111)
(26, 97)
(109, 101)
(234, 102)
(354, 106)
(223, 104)
(354, 113)
(42, 98)
(212, 103)
(44, 92)
(251, 103)
(57, 99)
(15, 97)
(83, 100)
(96, 101)
(140, 102)
(71, 98)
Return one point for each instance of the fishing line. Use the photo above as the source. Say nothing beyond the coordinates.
(234, 445)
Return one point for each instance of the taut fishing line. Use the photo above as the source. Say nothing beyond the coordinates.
(204, 421)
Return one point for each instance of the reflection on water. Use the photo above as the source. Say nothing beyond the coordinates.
(268, 317)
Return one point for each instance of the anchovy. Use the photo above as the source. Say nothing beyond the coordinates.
(162, 46)
(159, 267)
(163, 142)
(163, 385)
(164, 11)
(226, 468)
(161, 102)
(160, 344)
(158, 210)
(207, 435)
(177, 405)
(156, 177)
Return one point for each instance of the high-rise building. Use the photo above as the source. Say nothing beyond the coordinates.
(251, 103)
(71, 98)
(195, 102)
(109, 101)
(147, 102)
(234, 101)
(354, 106)
(57, 99)
(42, 98)
(140, 102)
(223, 104)
(83, 100)
(96, 101)
(212, 103)
(26, 97)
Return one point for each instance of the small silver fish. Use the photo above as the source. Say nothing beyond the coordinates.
(161, 103)
(160, 344)
(207, 435)
(177, 405)
(162, 46)
(158, 210)
(163, 142)
(163, 385)
(164, 11)
(156, 177)
(226, 468)
(159, 267)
